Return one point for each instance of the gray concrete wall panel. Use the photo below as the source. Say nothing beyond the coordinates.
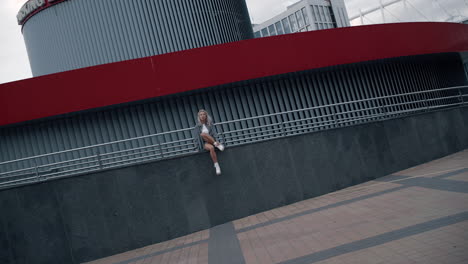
(83, 218)
(82, 33)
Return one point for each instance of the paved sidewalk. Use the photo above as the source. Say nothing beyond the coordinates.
(419, 215)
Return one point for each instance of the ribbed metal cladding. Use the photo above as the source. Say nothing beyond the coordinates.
(81, 33)
(235, 101)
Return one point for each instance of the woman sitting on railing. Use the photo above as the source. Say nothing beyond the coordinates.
(206, 135)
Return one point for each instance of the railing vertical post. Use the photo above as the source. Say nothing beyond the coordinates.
(384, 108)
(160, 148)
(283, 131)
(36, 170)
(335, 121)
(98, 156)
(461, 96)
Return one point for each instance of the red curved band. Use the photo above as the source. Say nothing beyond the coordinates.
(177, 72)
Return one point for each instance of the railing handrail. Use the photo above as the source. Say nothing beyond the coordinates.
(98, 145)
(236, 120)
(344, 103)
(374, 109)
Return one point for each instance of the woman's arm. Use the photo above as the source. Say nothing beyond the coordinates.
(196, 137)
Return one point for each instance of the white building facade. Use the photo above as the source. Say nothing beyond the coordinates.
(305, 15)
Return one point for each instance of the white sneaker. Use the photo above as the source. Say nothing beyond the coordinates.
(219, 146)
(218, 169)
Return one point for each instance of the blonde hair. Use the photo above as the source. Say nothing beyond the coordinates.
(209, 121)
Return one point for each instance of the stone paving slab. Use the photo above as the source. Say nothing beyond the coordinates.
(419, 215)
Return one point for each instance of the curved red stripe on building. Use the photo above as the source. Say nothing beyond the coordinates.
(32, 7)
(188, 70)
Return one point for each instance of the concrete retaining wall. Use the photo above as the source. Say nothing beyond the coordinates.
(87, 217)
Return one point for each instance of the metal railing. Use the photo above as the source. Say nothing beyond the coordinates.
(236, 132)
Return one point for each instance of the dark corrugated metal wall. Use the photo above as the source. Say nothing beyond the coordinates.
(235, 101)
(81, 33)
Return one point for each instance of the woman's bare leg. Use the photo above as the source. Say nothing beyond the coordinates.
(207, 138)
(212, 151)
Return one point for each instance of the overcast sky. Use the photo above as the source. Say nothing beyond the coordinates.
(14, 64)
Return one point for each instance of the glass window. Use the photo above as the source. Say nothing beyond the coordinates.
(322, 15)
(272, 30)
(306, 17)
(327, 14)
(279, 28)
(292, 20)
(265, 32)
(287, 28)
(258, 34)
(309, 28)
(300, 19)
(316, 13)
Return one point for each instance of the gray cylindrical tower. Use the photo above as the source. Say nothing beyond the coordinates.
(66, 35)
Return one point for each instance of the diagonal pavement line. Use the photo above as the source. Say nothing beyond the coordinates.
(453, 173)
(379, 239)
(392, 178)
(437, 184)
(314, 210)
(397, 178)
(128, 261)
(419, 181)
(449, 171)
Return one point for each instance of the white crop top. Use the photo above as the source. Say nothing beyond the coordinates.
(205, 129)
